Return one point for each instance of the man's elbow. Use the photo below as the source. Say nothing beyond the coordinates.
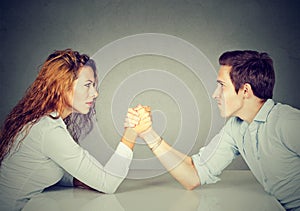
(191, 185)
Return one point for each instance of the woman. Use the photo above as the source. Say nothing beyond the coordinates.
(39, 137)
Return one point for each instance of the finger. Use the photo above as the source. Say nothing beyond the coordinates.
(145, 115)
(128, 123)
(145, 121)
(132, 111)
(147, 108)
(133, 116)
(143, 127)
(132, 119)
(142, 112)
(138, 108)
(145, 118)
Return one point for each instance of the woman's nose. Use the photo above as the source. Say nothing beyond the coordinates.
(95, 93)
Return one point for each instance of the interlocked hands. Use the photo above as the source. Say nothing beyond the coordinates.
(139, 119)
(138, 122)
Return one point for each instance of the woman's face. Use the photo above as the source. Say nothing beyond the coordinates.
(84, 92)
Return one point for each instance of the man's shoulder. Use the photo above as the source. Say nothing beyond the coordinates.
(283, 117)
(285, 111)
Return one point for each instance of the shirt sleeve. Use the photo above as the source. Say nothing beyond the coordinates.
(59, 146)
(213, 158)
(290, 130)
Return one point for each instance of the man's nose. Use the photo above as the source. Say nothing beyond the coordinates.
(216, 93)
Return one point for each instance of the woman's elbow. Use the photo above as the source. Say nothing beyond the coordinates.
(111, 186)
(110, 190)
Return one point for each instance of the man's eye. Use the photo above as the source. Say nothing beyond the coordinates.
(220, 85)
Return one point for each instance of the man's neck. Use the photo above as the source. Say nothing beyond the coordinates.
(250, 110)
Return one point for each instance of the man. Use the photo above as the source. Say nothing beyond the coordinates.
(264, 132)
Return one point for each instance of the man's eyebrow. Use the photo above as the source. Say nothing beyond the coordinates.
(220, 82)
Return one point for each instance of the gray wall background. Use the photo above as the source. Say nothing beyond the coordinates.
(31, 30)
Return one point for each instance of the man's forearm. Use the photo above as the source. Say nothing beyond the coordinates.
(178, 164)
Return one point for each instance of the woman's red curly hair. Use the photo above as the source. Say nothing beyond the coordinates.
(47, 94)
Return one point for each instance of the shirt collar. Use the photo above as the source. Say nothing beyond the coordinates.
(264, 111)
(55, 114)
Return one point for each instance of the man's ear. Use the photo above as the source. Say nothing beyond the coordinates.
(247, 90)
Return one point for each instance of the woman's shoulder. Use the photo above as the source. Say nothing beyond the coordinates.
(50, 122)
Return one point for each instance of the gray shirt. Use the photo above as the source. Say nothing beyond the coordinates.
(270, 145)
(49, 154)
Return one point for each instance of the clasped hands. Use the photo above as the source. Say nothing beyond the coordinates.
(138, 122)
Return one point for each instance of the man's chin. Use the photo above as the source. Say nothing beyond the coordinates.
(221, 112)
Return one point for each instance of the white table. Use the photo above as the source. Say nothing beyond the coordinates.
(237, 190)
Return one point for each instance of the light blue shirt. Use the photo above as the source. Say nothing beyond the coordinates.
(270, 145)
(47, 155)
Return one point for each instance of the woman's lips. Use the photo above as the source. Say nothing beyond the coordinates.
(89, 103)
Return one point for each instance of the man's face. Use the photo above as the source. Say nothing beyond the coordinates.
(229, 102)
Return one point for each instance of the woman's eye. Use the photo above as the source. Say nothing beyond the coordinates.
(88, 85)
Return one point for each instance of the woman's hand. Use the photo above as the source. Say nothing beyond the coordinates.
(145, 122)
(137, 121)
(131, 120)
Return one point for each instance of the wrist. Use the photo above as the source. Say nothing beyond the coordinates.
(151, 138)
(129, 137)
(154, 146)
(130, 134)
(147, 133)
